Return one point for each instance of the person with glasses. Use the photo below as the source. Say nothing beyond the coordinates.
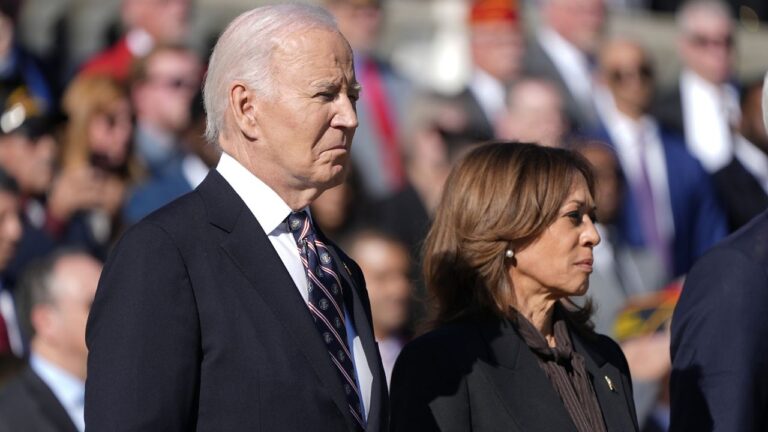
(704, 105)
(669, 207)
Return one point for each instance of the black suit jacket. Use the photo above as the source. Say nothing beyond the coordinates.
(740, 193)
(480, 376)
(28, 404)
(197, 325)
(720, 337)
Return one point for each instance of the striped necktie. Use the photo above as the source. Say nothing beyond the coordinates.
(326, 304)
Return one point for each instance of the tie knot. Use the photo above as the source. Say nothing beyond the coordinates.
(299, 225)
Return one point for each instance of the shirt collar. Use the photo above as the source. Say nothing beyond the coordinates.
(266, 205)
(69, 389)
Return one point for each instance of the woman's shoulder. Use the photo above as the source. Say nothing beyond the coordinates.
(449, 342)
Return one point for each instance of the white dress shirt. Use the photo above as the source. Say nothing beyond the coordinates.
(754, 160)
(708, 113)
(624, 133)
(68, 389)
(271, 211)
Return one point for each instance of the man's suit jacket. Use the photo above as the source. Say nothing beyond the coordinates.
(740, 192)
(698, 219)
(537, 63)
(197, 325)
(28, 404)
(720, 338)
(478, 375)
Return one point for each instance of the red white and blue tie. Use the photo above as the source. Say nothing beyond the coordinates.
(326, 304)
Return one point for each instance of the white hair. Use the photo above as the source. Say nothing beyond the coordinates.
(686, 13)
(244, 52)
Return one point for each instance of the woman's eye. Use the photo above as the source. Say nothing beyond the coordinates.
(575, 216)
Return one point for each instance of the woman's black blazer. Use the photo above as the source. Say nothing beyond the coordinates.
(478, 375)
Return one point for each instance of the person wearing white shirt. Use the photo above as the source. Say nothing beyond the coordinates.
(54, 298)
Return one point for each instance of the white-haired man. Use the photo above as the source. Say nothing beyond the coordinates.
(227, 310)
(719, 346)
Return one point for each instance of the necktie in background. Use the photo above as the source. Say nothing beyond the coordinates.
(326, 304)
(647, 207)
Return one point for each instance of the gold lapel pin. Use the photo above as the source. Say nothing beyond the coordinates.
(610, 383)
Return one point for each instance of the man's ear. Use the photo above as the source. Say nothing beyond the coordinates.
(242, 104)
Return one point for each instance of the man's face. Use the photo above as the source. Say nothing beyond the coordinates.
(707, 46)
(76, 278)
(626, 71)
(305, 128)
(497, 49)
(535, 114)
(10, 227)
(165, 20)
(164, 98)
(581, 22)
(360, 24)
(29, 161)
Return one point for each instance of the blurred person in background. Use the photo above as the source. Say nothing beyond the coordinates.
(97, 163)
(18, 69)
(535, 112)
(670, 205)
(386, 266)
(383, 106)
(704, 105)
(742, 185)
(511, 242)
(163, 92)
(719, 380)
(496, 50)
(11, 343)
(147, 23)
(54, 298)
(564, 50)
(341, 208)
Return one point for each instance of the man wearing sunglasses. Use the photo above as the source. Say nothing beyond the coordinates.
(704, 105)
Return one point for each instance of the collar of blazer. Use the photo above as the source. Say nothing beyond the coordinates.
(529, 396)
(247, 244)
(48, 405)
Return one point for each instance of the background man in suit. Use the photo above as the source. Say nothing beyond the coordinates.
(226, 309)
(719, 345)
(564, 51)
(54, 299)
(705, 104)
(669, 205)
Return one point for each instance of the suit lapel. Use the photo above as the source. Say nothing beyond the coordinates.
(253, 254)
(49, 405)
(514, 372)
(608, 385)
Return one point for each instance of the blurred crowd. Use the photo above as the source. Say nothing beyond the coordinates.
(85, 153)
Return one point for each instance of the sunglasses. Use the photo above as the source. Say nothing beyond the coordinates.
(703, 41)
(643, 72)
(174, 83)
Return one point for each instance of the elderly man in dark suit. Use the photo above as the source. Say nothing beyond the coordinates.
(720, 336)
(53, 300)
(227, 310)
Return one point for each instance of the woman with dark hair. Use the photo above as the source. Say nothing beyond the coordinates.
(511, 242)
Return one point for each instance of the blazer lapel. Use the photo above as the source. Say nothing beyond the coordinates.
(253, 254)
(608, 385)
(514, 372)
(49, 404)
(364, 328)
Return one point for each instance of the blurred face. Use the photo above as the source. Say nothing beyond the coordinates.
(559, 262)
(607, 182)
(76, 278)
(359, 24)
(535, 114)
(385, 266)
(581, 22)
(305, 130)
(707, 45)
(497, 49)
(109, 133)
(29, 161)
(330, 210)
(10, 227)
(165, 20)
(627, 72)
(164, 98)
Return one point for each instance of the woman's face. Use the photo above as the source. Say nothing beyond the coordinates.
(559, 262)
(110, 133)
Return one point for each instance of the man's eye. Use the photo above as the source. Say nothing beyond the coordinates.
(354, 97)
(326, 96)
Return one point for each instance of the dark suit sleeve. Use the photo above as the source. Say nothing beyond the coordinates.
(143, 339)
(720, 346)
(426, 393)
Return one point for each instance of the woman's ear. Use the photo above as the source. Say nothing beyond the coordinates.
(242, 104)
